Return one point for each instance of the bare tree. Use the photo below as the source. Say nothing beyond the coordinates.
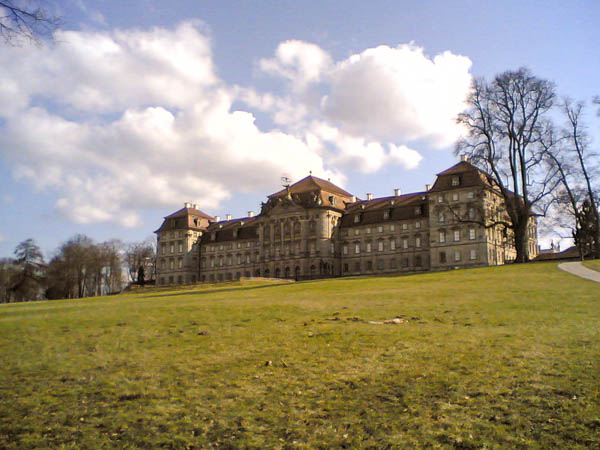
(140, 254)
(507, 129)
(576, 167)
(28, 21)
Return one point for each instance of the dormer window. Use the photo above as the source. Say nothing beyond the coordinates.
(455, 181)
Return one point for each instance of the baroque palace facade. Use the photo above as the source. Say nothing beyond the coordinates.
(314, 229)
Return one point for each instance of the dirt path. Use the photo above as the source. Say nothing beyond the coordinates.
(578, 269)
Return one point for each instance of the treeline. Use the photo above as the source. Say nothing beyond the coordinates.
(79, 268)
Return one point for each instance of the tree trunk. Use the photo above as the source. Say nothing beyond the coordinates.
(521, 241)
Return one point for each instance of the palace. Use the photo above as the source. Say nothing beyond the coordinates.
(314, 229)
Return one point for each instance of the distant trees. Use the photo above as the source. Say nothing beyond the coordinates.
(26, 21)
(22, 277)
(83, 268)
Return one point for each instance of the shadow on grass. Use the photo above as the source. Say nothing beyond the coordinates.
(217, 291)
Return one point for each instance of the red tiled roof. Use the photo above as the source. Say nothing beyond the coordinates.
(311, 183)
(189, 211)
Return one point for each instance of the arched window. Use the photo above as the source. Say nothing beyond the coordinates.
(267, 273)
(287, 272)
(297, 273)
(257, 273)
(277, 273)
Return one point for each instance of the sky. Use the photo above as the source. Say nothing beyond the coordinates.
(138, 107)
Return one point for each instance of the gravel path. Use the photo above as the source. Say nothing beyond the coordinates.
(578, 269)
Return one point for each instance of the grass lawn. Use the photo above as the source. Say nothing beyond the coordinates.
(593, 264)
(499, 357)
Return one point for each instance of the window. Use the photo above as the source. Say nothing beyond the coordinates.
(239, 245)
(357, 266)
(368, 247)
(313, 247)
(180, 279)
(442, 237)
(212, 261)
(418, 242)
(392, 244)
(380, 229)
(163, 248)
(418, 260)
(172, 248)
(455, 196)
(386, 215)
(369, 265)
(239, 259)
(442, 257)
(405, 226)
(418, 224)
(345, 267)
(470, 194)
(171, 263)
(440, 199)
(297, 247)
(380, 246)
(368, 230)
(472, 234)
(455, 181)
(248, 258)
(457, 256)
(356, 232)
(180, 263)
(473, 255)
(380, 264)
(404, 243)
(417, 210)
(345, 249)
(456, 235)
(332, 247)
(392, 227)
(471, 213)
(441, 217)
(392, 263)
(356, 218)
(357, 248)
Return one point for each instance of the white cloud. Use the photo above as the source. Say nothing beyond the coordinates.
(300, 62)
(116, 122)
(399, 94)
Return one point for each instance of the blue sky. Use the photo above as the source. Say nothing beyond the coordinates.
(140, 107)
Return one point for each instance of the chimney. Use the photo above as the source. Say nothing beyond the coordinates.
(397, 192)
(369, 196)
(353, 199)
(228, 216)
(195, 206)
(427, 187)
(250, 213)
(187, 205)
(217, 218)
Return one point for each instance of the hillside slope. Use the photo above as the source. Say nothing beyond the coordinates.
(505, 357)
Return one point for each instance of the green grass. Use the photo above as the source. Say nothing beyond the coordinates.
(501, 357)
(593, 264)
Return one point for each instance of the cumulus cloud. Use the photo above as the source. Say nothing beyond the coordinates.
(121, 121)
(115, 122)
(300, 62)
(399, 94)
